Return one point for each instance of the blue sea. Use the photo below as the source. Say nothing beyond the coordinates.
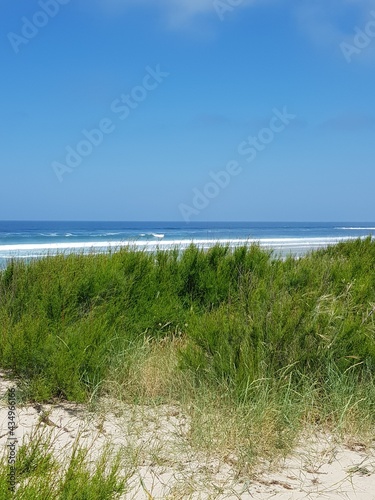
(29, 240)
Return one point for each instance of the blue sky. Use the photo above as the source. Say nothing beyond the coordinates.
(176, 87)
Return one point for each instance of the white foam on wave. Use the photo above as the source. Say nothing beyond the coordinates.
(103, 245)
(61, 246)
(357, 228)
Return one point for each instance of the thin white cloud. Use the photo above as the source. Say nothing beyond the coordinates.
(320, 20)
(178, 12)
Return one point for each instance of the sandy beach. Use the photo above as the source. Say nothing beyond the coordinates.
(161, 464)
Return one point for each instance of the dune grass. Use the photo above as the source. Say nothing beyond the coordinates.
(41, 475)
(254, 347)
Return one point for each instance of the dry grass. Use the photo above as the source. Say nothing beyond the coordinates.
(152, 373)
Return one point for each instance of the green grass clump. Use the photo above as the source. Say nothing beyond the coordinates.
(65, 318)
(40, 474)
(245, 315)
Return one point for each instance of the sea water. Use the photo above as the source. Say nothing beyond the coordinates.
(28, 240)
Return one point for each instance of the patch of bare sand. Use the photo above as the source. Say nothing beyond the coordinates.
(154, 442)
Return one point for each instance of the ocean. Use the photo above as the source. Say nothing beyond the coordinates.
(29, 240)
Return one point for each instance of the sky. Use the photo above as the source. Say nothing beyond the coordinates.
(195, 110)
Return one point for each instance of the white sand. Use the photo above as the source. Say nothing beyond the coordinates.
(155, 444)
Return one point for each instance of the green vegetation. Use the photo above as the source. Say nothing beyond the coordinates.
(40, 475)
(256, 347)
